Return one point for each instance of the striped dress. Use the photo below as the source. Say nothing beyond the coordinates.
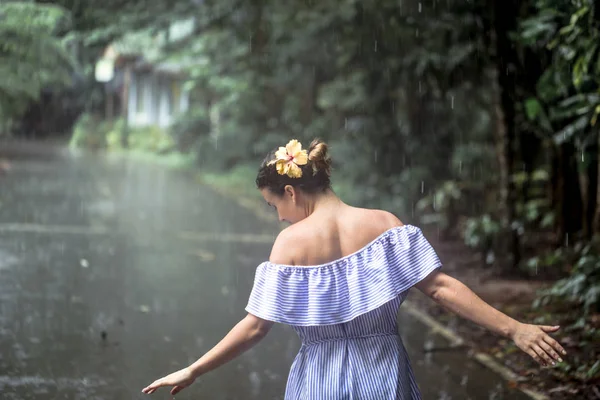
(345, 314)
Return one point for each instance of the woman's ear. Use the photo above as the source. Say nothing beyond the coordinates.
(289, 191)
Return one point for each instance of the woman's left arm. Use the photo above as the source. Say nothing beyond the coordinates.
(458, 298)
(247, 333)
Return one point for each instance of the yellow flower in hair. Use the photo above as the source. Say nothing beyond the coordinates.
(288, 158)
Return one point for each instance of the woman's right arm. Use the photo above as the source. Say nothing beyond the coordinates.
(247, 333)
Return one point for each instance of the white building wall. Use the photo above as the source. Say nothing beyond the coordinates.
(156, 101)
(146, 115)
(165, 106)
(184, 101)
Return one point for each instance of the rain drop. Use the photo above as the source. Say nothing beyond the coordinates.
(582, 156)
(452, 102)
(420, 88)
(567, 240)
(422, 186)
(375, 46)
(420, 6)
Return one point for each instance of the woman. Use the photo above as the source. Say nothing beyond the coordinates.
(337, 275)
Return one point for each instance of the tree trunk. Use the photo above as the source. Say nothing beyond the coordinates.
(592, 178)
(569, 204)
(125, 106)
(508, 241)
(506, 62)
(558, 182)
(109, 103)
(597, 202)
(530, 149)
(584, 190)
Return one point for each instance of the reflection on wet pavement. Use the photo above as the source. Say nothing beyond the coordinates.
(113, 273)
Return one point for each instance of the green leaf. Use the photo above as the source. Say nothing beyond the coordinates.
(594, 370)
(533, 108)
(579, 71)
(576, 127)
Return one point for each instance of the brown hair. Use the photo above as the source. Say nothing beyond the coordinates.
(315, 174)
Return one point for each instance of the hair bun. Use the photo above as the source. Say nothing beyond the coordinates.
(318, 155)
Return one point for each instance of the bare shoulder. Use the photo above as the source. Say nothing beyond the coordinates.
(283, 251)
(390, 219)
(382, 219)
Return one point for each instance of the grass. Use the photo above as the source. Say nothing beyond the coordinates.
(173, 160)
(238, 180)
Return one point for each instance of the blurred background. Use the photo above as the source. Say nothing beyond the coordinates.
(130, 136)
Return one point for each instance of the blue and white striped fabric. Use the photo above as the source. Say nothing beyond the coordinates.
(345, 314)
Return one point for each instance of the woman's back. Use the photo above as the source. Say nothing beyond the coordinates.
(333, 233)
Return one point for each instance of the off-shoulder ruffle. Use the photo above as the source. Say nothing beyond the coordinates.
(341, 290)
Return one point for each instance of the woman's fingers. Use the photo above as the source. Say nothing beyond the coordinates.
(550, 351)
(535, 356)
(547, 328)
(179, 380)
(555, 345)
(547, 360)
(153, 386)
(176, 390)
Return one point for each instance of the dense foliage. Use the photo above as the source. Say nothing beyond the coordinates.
(32, 55)
(479, 117)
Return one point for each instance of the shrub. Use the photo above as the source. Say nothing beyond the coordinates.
(481, 234)
(89, 132)
(93, 133)
(582, 286)
(188, 128)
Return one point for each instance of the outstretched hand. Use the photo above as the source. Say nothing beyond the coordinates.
(179, 380)
(535, 341)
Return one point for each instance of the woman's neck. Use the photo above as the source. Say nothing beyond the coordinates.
(322, 202)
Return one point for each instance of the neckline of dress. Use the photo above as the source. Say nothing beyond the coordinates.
(341, 259)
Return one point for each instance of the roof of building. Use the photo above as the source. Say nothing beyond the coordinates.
(145, 49)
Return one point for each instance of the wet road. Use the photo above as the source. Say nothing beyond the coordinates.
(113, 273)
